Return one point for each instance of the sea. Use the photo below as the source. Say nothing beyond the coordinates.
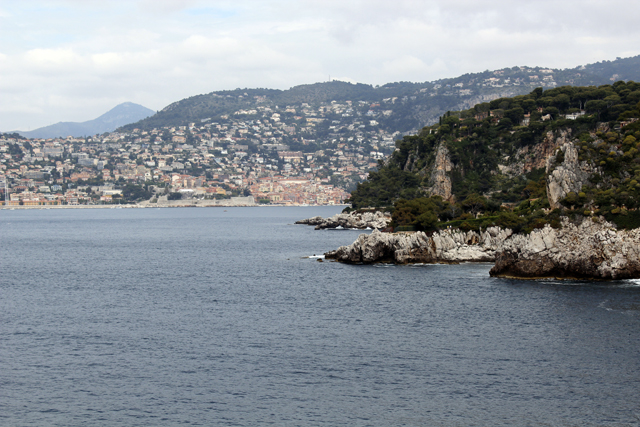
(224, 317)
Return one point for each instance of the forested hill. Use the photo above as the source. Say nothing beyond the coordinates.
(519, 161)
(397, 107)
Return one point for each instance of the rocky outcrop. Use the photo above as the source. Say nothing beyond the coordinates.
(439, 180)
(447, 246)
(558, 154)
(594, 249)
(567, 177)
(364, 220)
(531, 157)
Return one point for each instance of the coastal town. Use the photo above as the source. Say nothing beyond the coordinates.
(251, 148)
(264, 156)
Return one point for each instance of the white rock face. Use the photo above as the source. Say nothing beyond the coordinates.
(373, 220)
(535, 156)
(594, 250)
(569, 176)
(448, 246)
(440, 180)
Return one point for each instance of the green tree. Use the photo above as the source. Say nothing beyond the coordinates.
(134, 193)
(474, 204)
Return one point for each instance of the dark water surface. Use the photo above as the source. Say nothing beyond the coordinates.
(162, 317)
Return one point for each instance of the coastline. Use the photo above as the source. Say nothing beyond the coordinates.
(176, 204)
(592, 249)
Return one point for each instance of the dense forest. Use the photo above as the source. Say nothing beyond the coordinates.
(490, 146)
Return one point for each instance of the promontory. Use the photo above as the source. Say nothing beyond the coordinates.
(543, 185)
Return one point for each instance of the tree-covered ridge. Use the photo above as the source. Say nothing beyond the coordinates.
(497, 152)
(14, 135)
(408, 105)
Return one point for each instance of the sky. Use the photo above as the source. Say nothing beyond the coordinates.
(74, 60)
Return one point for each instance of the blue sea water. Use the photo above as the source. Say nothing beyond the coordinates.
(194, 316)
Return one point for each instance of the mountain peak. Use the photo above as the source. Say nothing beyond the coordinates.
(120, 115)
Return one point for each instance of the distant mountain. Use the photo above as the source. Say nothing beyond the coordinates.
(408, 106)
(123, 114)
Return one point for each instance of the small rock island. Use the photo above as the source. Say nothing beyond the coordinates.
(353, 221)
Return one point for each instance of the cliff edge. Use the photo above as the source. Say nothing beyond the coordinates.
(447, 246)
(593, 249)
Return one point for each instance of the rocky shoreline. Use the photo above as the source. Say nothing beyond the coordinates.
(594, 249)
(447, 246)
(361, 221)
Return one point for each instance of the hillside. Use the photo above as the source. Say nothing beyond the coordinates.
(120, 115)
(402, 107)
(519, 162)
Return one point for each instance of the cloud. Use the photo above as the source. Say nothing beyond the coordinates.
(109, 62)
(164, 6)
(413, 67)
(47, 61)
(73, 60)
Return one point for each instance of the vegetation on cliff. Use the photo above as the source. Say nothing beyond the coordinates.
(520, 162)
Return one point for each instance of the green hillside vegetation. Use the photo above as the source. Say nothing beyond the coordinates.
(14, 135)
(410, 113)
(607, 137)
(414, 104)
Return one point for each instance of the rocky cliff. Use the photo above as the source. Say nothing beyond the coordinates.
(364, 220)
(594, 249)
(532, 157)
(569, 176)
(447, 246)
(439, 180)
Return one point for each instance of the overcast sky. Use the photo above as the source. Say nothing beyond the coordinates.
(74, 60)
